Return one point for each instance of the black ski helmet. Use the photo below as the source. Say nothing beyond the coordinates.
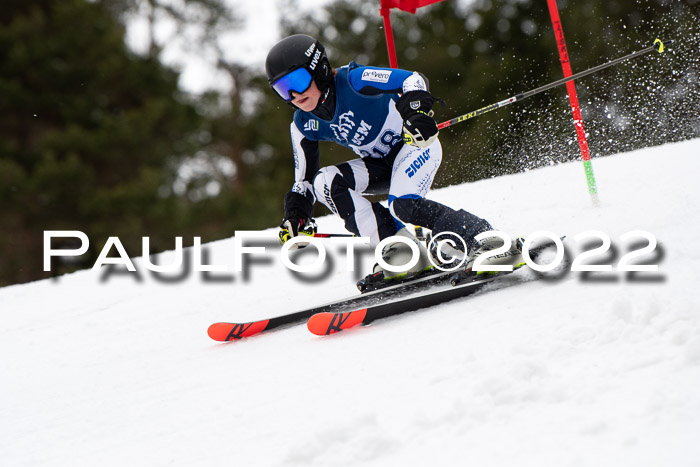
(295, 52)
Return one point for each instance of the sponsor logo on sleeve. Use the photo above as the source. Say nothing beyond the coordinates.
(377, 76)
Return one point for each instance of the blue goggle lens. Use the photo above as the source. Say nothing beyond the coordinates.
(298, 81)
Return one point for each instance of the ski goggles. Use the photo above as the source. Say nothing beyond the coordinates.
(298, 81)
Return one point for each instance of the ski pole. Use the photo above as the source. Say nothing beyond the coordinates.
(659, 46)
(331, 235)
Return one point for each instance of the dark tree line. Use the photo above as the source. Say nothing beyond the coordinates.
(96, 138)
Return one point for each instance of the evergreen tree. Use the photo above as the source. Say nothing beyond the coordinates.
(86, 130)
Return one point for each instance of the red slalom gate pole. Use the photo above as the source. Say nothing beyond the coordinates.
(385, 11)
(573, 99)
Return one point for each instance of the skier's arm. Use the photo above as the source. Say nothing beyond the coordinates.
(415, 104)
(298, 202)
(373, 80)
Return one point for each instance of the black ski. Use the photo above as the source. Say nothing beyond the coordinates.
(460, 285)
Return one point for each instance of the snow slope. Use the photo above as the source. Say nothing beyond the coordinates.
(114, 369)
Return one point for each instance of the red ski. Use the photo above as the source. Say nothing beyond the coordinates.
(225, 332)
(232, 331)
(431, 289)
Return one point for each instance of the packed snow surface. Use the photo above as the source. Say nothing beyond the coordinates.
(113, 368)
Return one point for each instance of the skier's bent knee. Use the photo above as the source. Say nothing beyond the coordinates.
(406, 210)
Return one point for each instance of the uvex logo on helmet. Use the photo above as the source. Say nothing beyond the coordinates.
(314, 61)
(316, 56)
(310, 50)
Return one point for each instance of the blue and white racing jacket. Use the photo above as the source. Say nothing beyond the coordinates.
(365, 119)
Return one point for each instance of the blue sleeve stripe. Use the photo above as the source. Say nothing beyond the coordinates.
(394, 198)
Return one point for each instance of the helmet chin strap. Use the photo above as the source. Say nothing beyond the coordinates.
(323, 99)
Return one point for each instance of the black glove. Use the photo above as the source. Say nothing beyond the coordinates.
(415, 107)
(296, 226)
(297, 218)
(420, 129)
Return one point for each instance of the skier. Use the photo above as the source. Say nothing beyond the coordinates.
(385, 116)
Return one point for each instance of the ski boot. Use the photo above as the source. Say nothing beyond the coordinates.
(396, 253)
(513, 257)
(444, 255)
